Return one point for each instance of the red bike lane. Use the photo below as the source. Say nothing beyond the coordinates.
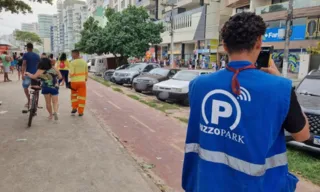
(148, 133)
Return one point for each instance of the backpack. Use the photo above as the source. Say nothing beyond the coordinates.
(62, 65)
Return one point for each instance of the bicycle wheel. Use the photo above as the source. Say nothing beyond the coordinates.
(32, 110)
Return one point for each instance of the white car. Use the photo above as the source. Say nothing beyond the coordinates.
(177, 88)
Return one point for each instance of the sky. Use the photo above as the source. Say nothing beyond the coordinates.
(10, 22)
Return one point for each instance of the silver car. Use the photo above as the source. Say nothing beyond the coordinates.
(126, 76)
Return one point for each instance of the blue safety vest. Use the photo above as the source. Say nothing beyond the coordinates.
(236, 143)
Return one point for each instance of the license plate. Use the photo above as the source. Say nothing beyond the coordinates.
(316, 140)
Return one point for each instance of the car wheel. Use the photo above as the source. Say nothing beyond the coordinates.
(160, 99)
(107, 77)
(138, 91)
(185, 102)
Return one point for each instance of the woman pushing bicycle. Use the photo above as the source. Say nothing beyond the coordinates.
(49, 76)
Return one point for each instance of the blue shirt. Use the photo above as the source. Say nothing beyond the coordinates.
(236, 142)
(32, 60)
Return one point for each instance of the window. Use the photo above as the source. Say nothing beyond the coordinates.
(148, 68)
(300, 21)
(122, 4)
(243, 9)
(278, 1)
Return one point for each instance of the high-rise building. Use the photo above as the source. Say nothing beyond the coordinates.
(96, 10)
(69, 22)
(31, 27)
(45, 23)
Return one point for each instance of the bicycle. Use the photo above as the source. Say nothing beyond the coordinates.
(34, 93)
(34, 103)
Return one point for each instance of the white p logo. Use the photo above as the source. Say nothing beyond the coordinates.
(220, 109)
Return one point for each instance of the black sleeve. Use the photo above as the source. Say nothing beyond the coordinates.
(295, 120)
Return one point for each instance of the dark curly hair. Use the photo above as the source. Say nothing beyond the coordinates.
(241, 31)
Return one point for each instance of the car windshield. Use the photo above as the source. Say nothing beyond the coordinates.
(137, 66)
(122, 67)
(159, 71)
(309, 86)
(186, 75)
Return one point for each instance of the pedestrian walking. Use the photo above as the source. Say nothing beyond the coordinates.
(6, 62)
(53, 60)
(78, 71)
(63, 66)
(235, 137)
(13, 62)
(19, 65)
(29, 64)
(48, 75)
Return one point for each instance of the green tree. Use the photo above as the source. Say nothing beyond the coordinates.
(127, 33)
(131, 32)
(91, 38)
(26, 37)
(19, 6)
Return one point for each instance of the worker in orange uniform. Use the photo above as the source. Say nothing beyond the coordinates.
(78, 72)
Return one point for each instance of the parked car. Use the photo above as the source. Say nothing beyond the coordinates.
(145, 81)
(125, 76)
(177, 88)
(108, 73)
(308, 93)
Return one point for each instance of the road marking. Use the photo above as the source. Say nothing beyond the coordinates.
(116, 106)
(146, 126)
(99, 95)
(177, 147)
(3, 112)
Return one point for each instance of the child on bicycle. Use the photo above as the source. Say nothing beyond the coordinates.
(49, 76)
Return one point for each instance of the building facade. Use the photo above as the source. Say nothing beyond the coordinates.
(196, 26)
(69, 22)
(96, 10)
(31, 27)
(305, 25)
(45, 23)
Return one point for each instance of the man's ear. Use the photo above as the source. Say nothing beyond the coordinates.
(225, 47)
(259, 43)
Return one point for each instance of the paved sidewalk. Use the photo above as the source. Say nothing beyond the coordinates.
(75, 154)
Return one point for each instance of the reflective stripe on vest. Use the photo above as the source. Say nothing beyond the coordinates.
(78, 74)
(235, 163)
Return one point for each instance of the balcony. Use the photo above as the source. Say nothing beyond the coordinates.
(188, 4)
(297, 4)
(146, 3)
(236, 3)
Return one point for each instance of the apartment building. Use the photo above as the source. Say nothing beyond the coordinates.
(96, 10)
(196, 27)
(45, 23)
(69, 22)
(31, 27)
(305, 26)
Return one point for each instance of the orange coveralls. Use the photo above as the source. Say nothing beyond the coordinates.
(78, 72)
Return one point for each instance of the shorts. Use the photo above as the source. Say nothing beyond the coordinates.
(6, 69)
(19, 68)
(50, 90)
(28, 81)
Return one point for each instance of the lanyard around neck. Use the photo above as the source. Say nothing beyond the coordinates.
(235, 85)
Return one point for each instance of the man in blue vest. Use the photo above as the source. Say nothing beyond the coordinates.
(235, 138)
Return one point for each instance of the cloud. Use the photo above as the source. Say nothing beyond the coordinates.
(10, 22)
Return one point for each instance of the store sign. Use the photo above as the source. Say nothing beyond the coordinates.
(276, 34)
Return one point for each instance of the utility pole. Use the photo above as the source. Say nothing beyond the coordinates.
(172, 5)
(287, 39)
